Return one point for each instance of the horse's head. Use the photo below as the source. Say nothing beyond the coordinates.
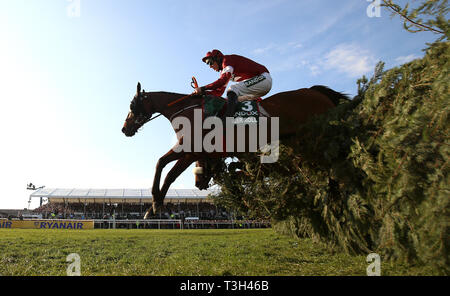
(141, 109)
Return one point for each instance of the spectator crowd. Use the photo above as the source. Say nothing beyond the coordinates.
(202, 210)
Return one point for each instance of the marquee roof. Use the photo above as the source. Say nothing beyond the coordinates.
(76, 195)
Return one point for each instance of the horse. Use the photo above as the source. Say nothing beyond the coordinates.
(292, 108)
(206, 169)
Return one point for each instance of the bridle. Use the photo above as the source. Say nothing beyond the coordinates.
(145, 120)
(142, 119)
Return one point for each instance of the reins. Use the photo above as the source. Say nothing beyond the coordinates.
(179, 100)
(150, 119)
(182, 110)
(194, 85)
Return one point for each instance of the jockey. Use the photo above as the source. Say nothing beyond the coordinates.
(253, 80)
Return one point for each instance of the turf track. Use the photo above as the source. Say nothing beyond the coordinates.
(176, 252)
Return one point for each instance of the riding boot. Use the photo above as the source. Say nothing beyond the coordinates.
(231, 103)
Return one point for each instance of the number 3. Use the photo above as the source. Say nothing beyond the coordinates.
(248, 106)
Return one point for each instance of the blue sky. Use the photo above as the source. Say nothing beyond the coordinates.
(68, 70)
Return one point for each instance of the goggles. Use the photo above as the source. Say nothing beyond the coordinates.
(209, 61)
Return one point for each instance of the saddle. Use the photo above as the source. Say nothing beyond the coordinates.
(247, 111)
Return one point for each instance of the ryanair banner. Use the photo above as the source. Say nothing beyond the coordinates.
(47, 224)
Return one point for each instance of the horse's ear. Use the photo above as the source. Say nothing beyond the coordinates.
(138, 88)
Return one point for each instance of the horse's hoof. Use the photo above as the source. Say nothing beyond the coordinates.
(148, 214)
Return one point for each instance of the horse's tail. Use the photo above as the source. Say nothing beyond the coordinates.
(333, 95)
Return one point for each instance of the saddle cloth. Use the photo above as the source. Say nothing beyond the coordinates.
(247, 112)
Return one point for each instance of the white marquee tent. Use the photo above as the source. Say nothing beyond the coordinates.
(76, 195)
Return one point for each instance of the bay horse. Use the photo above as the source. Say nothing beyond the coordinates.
(292, 108)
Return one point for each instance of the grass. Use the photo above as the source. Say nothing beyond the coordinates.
(28, 252)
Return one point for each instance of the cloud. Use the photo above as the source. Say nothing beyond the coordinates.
(281, 48)
(263, 50)
(406, 59)
(335, 14)
(295, 44)
(282, 56)
(315, 70)
(287, 63)
(350, 59)
(251, 8)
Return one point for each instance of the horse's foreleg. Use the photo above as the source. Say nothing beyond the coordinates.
(180, 166)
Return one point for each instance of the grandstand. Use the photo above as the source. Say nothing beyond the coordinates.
(125, 208)
(123, 203)
(5, 213)
(75, 195)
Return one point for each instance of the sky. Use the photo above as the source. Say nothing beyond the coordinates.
(69, 69)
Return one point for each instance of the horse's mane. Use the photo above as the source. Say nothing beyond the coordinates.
(332, 94)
